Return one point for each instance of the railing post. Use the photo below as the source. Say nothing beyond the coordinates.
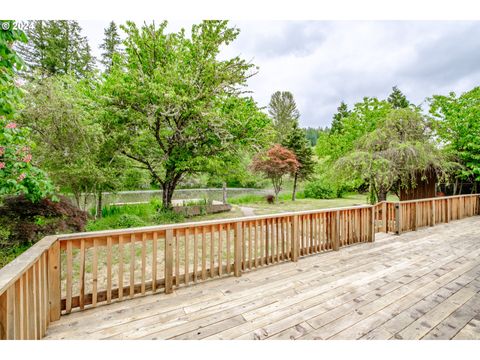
(7, 315)
(336, 231)
(372, 224)
(54, 292)
(398, 218)
(295, 238)
(238, 249)
(384, 217)
(447, 210)
(415, 222)
(432, 218)
(169, 261)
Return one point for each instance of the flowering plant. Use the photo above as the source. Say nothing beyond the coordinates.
(17, 174)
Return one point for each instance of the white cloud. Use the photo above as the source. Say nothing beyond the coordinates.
(325, 62)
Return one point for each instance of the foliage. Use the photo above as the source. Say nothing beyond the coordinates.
(299, 145)
(337, 122)
(111, 45)
(365, 117)
(28, 222)
(63, 114)
(457, 123)
(56, 47)
(17, 173)
(182, 103)
(391, 157)
(397, 99)
(283, 110)
(312, 134)
(134, 215)
(275, 164)
(321, 189)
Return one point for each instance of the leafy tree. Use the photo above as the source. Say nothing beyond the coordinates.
(397, 99)
(299, 145)
(393, 155)
(56, 47)
(182, 104)
(284, 113)
(337, 122)
(17, 173)
(275, 164)
(365, 117)
(457, 123)
(111, 45)
(63, 114)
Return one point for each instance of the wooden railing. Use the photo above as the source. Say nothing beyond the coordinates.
(66, 273)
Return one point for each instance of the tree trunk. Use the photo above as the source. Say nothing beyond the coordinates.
(294, 193)
(167, 195)
(99, 205)
(224, 190)
(382, 195)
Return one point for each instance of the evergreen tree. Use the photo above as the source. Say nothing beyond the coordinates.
(342, 113)
(297, 142)
(111, 45)
(283, 110)
(56, 48)
(397, 99)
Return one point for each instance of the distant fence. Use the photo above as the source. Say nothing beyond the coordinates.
(64, 273)
(87, 201)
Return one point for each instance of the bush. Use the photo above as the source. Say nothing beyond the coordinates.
(23, 222)
(165, 216)
(128, 221)
(320, 189)
(270, 199)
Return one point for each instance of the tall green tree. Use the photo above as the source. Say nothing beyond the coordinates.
(284, 113)
(111, 45)
(18, 175)
(392, 156)
(300, 146)
(457, 123)
(64, 117)
(337, 122)
(365, 117)
(397, 99)
(174, 107)
(56, 47)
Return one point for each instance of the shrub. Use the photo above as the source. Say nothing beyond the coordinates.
(165, 216)
(28, 222)
(320, 190)
(128, 221)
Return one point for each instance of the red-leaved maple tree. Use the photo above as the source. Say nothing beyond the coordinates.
(275, 164)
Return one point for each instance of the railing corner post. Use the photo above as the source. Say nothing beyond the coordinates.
(372, 224)
(168, 261)
(54, 286)
(238, 239)
(398, 218)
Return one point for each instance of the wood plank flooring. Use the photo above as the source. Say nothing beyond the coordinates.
(419, 285)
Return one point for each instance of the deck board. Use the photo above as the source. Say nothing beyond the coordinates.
(419, 285)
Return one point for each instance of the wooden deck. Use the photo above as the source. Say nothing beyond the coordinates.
(419, 285)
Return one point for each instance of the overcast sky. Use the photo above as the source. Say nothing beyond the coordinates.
(325, 62)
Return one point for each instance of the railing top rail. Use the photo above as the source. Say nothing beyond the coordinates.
(435, 198)
(16, 268)
(143, 229)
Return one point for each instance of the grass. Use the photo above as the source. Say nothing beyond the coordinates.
(285, 204)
